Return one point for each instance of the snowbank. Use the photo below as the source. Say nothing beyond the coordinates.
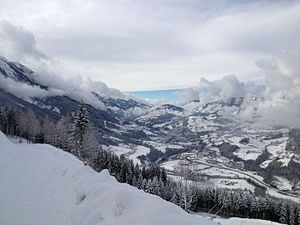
(40, 184)
(44, 185)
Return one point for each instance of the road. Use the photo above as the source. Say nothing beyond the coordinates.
(251, 177)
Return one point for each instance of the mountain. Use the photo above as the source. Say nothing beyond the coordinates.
(106, 113)
(41, 184)
(16, 71)
(223, 150)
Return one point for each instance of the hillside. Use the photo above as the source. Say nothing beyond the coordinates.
(44, 185)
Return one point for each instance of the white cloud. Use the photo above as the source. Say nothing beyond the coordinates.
(24, 90)
(17, 43)
(282, 98)
(277, 102)
(225, 88)
(166, 43)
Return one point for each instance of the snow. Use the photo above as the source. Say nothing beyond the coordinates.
(241, 221)
(160, 125)
(162, 146)
(118, 150)
(198, 124)
(276, 194)
(213, 171)
(139, 150)
(283, 184)
(221, 178)
(5, 67)
(279, 152)
(235, 220)
(55, 109)
(44, 185)
(131, 152)
(170, 165)
(248, 153)
(232, 184)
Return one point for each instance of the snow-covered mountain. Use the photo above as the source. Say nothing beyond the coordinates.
(228, 152)
(44, 185)
(108, 109)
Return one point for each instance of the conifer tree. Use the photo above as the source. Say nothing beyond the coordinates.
(283, 213)
(79, 130)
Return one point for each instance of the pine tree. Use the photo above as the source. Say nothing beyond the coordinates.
(79, 131)
(4, 119)
(298, 217)
(168, 190)
(156, 186)
(144, 185)
(292, 214)
(139, 181)
(163, 175)
(192, 199)
(177, 199)
(129, 174)
(283, 213)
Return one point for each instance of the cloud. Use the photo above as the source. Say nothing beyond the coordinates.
(277, 102)
(282, 98)
(224, 89)
(167, 43)
(49, 75)
(17, 43)
(24, 90)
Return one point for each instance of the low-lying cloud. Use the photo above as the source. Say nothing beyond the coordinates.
(18, 44)
(276, 102)
(24, 90)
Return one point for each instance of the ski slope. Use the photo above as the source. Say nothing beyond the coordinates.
(40, 184)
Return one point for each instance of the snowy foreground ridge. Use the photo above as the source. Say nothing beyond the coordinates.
(42, 185)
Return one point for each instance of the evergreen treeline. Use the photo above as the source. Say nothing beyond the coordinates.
(74, 133)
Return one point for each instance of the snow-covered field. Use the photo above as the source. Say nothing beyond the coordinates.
(131, 152)
(137, 151)
(44, 185)
(232, 184)
(162, 147)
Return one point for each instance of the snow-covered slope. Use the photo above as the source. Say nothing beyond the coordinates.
(40, 184)
(44, 185)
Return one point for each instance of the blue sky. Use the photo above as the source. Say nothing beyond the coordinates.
(170, 94)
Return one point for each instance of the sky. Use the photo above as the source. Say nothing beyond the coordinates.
(138, 45)
(166, 95)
